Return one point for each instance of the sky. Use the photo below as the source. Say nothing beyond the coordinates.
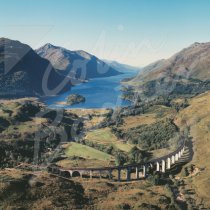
(135, 32)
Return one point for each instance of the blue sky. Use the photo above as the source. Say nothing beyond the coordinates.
(135, 32)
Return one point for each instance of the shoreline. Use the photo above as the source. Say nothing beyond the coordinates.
(60, 104)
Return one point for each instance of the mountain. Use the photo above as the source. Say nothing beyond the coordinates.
(76, 64)
(24, 73)
(186, 73)
(190, 63)
(122, 67)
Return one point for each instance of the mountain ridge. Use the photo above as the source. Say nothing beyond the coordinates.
(24, 73)
(121, 67)
(191, 62)
(76, 63)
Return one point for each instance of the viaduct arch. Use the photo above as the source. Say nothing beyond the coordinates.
(159, 164)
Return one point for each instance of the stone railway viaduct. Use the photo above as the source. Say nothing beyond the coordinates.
(140, 170)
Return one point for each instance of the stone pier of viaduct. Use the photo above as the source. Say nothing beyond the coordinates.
(139, 170)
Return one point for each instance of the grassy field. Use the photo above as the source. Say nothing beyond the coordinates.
(84, 112)
(197, 116)
(134, 121)
(79, 150)
(97, 115)
(162, 111)
(104, 136)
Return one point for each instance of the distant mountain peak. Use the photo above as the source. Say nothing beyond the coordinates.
(121, 67)
(64, 59)
(48, 45)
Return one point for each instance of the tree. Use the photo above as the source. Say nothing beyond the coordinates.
(120, 159)
(135, 155)
(110, 149)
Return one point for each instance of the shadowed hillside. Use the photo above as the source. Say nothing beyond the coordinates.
(77, 64)
(24, 73)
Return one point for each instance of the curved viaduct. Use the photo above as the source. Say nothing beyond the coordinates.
(140, 170)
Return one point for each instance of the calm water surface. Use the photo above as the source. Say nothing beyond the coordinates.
(99, 93)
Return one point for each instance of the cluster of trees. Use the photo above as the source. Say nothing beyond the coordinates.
(147, 206)
(142, 106)
(135, 155)
(128, 94)
(180, 106)
(17, 151)
(109, 149)
(21, 146)
(113, 117)
(116, 117)
(174, 88)
(192, 88)
(187, 170)
(149, 137)
(120, 157)
(157, 178)
(4, 123)
(173, 205)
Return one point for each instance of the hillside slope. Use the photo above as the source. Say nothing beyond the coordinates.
(42, 191)
(77, 64)
(187, 73)
(24, 73)
(122, 67)
(192, 62)
(197, 118)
